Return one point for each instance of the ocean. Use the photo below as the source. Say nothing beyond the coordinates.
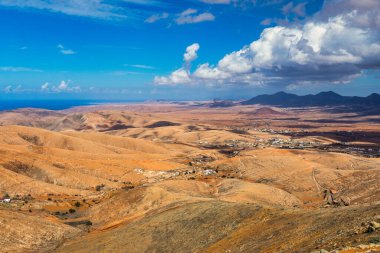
(53, 104)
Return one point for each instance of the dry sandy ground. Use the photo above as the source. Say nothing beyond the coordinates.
(162, 178)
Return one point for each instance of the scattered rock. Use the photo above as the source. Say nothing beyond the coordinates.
(375, 224)
(371, 229)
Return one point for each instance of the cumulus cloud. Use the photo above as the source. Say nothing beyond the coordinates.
(63, 86)
(191, 16)
(191, 53)
(334, 46)
(181, 75)
(366, 13)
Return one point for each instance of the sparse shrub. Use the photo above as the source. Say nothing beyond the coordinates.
(72, 210)
(30, 210)
(77, 204)
(99, 187)
(49, 199)
(28, 170)
(88, 223)
(128, 187)
(59, 165)
(375, 240)
(6, 196)
(35, 140)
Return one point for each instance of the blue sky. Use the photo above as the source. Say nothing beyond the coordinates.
(134, 49)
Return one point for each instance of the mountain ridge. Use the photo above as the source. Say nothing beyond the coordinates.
(326, 98)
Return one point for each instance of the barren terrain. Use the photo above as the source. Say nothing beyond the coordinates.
(185, 177)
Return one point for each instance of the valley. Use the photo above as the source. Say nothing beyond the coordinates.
(168, 177)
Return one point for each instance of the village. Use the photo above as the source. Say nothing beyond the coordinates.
(296, 140)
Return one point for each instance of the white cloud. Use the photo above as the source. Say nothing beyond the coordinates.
(8, 89)
(65, 51)
(18, 69)
(139, 66)
(86, 8)
(156, 17)
(325, 49)
(11, 89)
(216, 1)
(180, 76)
(291, 8)
(68, 51)
(244, 3)
(64, 86)
(45, 86)
(191, 16)
(191, 53)
(124, 73)
(266, 21)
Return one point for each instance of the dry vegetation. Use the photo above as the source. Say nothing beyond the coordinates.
(187, 178)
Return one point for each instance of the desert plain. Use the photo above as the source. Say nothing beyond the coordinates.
(189, 177)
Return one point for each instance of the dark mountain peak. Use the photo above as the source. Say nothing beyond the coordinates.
(374, 95)
(282, 93)
(328, 94)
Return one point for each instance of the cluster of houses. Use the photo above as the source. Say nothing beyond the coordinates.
(228, 144)
(233, 147)
(5, 200)
(292, 144)
(367, 151)
(273, 131)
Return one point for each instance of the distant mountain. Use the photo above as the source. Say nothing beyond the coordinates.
(221, 103)
(263, 111)
(329, 98)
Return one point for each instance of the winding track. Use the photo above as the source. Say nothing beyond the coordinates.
(319, 186)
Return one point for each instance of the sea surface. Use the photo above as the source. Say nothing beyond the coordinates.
(54, 104)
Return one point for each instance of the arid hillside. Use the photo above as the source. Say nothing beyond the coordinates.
(189, 178)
